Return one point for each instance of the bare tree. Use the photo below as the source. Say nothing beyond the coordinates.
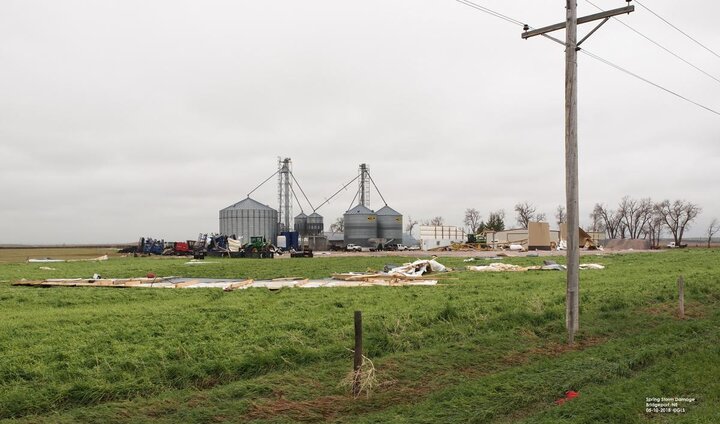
(635, 216)
(473, 220)
(411, 223)
(677, 216)
(560, 215)
(610, 221)
(598, 225)
(435, 222)
(338, 226)
(496, 221)
(655, 229)
(713, 228)
(525, 213)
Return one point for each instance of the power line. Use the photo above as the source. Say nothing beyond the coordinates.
(491, 12)
(620, 68)
(678, 29)
(594, 56)
(658, 44)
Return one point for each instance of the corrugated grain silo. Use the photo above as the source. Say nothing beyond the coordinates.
(249, 218)
(315, 225)
(360, 226)
(389, 224)
(301, 222)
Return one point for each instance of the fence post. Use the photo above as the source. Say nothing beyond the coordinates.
(357, 360)
(681, 297)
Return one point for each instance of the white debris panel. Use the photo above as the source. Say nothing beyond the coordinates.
(226, 284)
(501, 267)
(410, 274)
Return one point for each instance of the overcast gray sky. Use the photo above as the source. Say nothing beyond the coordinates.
(121, 119)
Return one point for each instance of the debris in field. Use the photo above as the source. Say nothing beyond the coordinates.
(199, 262)
(388, 267)
(99, 258)
(51, 260)
(397, 275)
(569, 395)
(418, 268)
(231, 284)
(237, 285)
(47, 268)
(407, 274)
(553, 267)
(548, 266)
(591, 266)
(496, 267)
(469, 260)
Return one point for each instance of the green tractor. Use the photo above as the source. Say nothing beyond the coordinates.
(258, 248)
(477, 239)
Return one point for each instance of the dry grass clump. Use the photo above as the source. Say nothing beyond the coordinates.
(362, 380)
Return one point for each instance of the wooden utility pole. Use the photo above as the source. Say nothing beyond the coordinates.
(572, 309)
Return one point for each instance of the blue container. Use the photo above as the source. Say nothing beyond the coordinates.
(292, 239)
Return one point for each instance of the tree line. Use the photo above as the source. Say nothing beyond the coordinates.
(645, 219)
(631, 219)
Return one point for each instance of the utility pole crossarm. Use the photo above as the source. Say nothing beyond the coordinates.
(583, 20)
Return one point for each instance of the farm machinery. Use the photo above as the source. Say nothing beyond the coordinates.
(228, 246)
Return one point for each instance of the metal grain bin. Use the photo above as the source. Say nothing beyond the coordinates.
(389, 225)
(248, 218)
(360, 226)
(315, 225)
(301, 222)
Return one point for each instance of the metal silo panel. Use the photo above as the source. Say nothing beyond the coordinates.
(360, 226)
(300, 224)
(315, 225)
(389, 224)
(248, 218)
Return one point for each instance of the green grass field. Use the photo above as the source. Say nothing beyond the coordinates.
(477, 348)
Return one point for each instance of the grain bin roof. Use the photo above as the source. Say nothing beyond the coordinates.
(249, 204)
(387, 210)
(358, 210)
